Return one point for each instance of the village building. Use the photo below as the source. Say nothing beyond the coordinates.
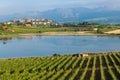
(84, 55)
(81, 55)
(32, 21)
(28, 25)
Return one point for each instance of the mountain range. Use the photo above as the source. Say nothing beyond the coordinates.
(77, 14)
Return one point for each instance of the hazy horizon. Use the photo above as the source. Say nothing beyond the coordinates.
(19, 6)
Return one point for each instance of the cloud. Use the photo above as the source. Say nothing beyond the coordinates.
(109, 4)
(112, 4)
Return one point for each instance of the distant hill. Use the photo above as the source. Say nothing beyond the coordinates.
(77, 14)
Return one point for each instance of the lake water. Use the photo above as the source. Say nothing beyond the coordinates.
(26, 46)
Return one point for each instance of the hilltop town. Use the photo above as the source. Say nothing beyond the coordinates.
(32, 21)
(41, 25)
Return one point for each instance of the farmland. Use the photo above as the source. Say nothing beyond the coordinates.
(101, 66)
(87, 29)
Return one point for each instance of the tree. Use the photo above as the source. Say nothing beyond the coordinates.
(55, 54)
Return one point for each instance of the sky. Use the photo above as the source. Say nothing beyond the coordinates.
(19, 6)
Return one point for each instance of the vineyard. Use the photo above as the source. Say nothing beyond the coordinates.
(104, 66)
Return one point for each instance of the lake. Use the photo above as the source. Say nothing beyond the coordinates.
(25, 46)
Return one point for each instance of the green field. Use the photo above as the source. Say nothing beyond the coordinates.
(12, 29)
(23, 30)
(68, 67)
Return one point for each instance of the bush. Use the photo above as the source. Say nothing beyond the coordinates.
(99, 31)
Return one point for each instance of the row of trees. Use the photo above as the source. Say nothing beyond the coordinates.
(82, 24)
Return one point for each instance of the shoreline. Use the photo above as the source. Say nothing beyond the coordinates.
(64, 34)
(58, 34)
(90, 53)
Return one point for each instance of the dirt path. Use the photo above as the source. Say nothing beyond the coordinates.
(62, 34)
(113, 32)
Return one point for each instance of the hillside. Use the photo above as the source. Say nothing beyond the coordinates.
(76, 14)
(94, 67)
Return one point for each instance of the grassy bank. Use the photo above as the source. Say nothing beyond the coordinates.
(18, 30)
(66, 67)
(38, 30)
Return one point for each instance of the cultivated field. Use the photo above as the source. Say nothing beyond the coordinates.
(94, 67)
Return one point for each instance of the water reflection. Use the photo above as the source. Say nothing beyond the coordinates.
(111, 36)
(5, 39)
(24, 37)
